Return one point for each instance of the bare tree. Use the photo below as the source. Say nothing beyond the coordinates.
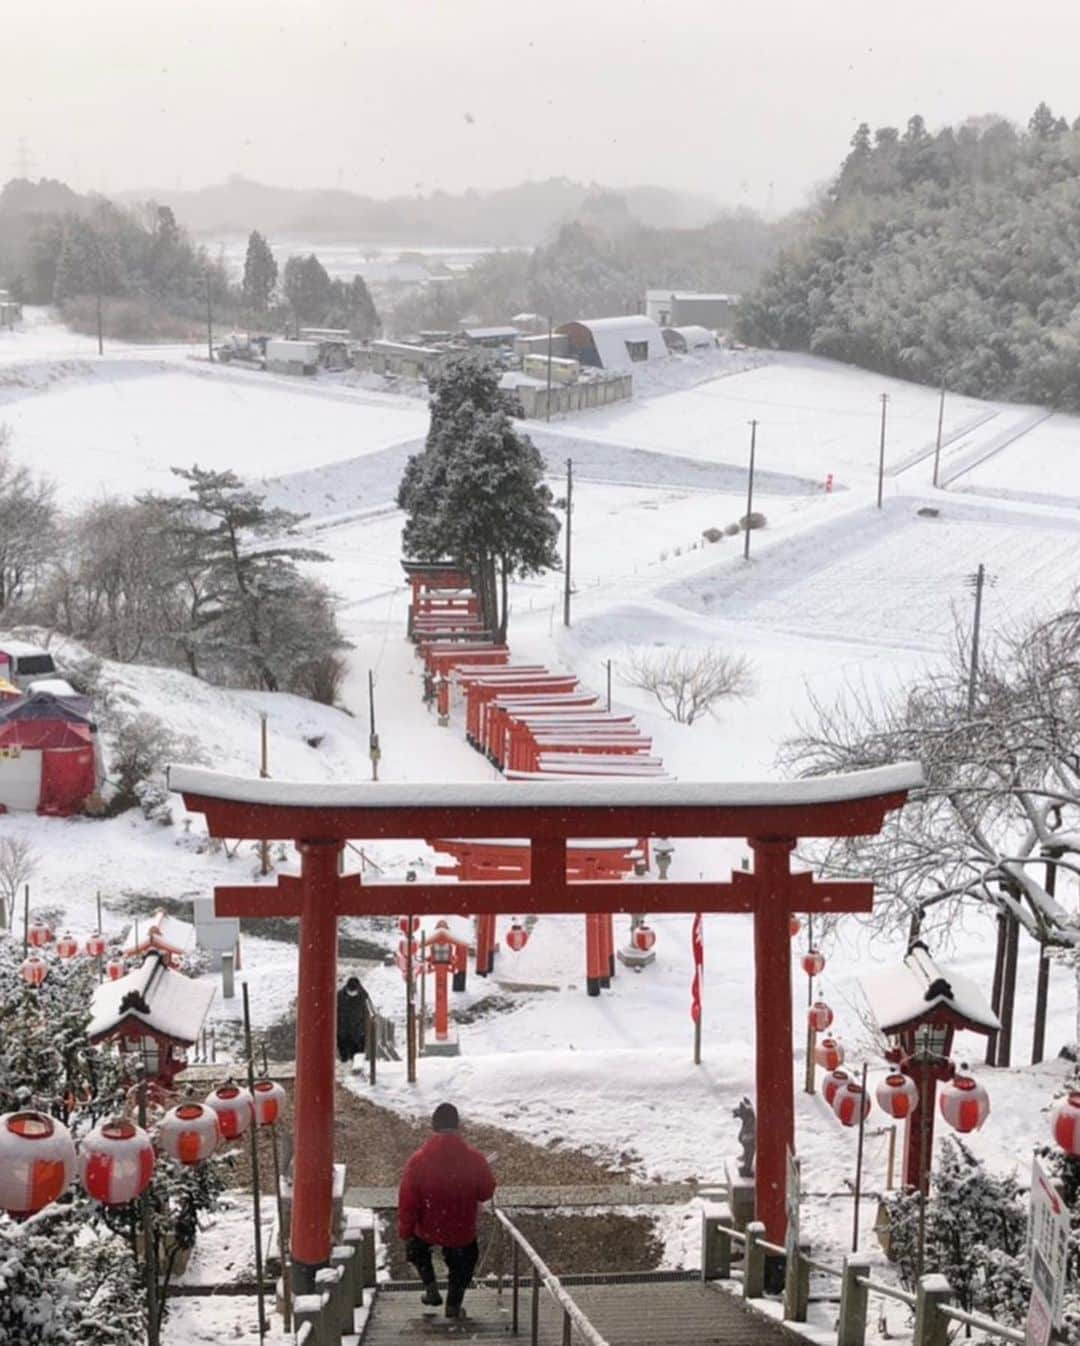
(28, 529)
(687, 683)
(17, 862)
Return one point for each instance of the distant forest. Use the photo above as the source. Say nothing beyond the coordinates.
(951, 258)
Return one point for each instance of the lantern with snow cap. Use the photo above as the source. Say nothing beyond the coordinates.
(114, 969)
(189, 1132)
(832, 1084)
(268, 1102)
(813, 963)
(851, 1103)
(33, 970)
(1066, 1123)
(517, 937)
(964, 1103)
(116, 1162)
(898, 1095)
(67, 946)
(829, 1054)
(644, 937)
(233, 1107)
(39, 934)
(819, 1016)
(37, 1161)
(95, 944)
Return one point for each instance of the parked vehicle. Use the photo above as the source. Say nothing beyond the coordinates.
(21, 663)
(292, 357)
(243, 348)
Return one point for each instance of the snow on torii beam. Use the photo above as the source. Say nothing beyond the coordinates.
(320, 818)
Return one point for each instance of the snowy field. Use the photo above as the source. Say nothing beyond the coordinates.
(837, 595)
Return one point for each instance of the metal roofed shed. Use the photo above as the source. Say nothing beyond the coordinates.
(615, 343)
(490, 336)
(685, 340)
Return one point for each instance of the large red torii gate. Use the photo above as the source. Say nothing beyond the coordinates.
(320, 818)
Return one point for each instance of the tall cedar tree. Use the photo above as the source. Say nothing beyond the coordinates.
(244, 594)
(260, 274)
(308, 288)
(476, 494)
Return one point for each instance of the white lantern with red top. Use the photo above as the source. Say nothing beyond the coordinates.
(114, 969)
(964, 1103)
(67, 946)
(95, 944)
(898, 1095)
(116, 1162)
(233, 1107)
(813, 963)
(517, 937)
(851, 1103)
(829, 1054)
(37, 1161)
(268, 1102)
(39, 934)
(819, 1016)
(189, 1132)
(33, 970)
(833, 1082)
(644, 937)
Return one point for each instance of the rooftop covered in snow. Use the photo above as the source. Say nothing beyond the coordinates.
(918, 988)
(153, 997)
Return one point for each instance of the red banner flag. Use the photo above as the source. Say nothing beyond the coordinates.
(698, 942)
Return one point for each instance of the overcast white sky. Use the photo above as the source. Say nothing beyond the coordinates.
(750, 102)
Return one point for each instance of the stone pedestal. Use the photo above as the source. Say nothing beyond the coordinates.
(740, 1195)
(450, 1046)
(635, 958)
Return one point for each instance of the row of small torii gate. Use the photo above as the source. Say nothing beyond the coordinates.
(545, 821)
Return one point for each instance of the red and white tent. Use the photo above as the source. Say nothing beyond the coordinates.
(50, 759)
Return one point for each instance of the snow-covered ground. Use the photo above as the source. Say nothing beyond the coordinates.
(837, 594)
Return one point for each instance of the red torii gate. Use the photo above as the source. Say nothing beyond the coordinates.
(320, 818)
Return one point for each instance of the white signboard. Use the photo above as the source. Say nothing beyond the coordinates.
(1048, 1251)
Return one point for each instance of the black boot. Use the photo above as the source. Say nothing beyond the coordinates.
(454, 1310)
(431, 1294)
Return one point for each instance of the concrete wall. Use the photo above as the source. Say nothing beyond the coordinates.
(562, 370)
(575, 396)
(703, 311)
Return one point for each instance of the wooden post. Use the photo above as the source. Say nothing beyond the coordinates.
(858, 1169)
(754, 1261)
(995, 992)
(371, 1031)
(26, 920)
(255, 1184)
(1042, 985)
(1008, 992)
(264, 773)
(410, 1015)
(854, 1301)
(283, 1243)
(890, 1166)
(811, 1031)
(931, 1326)
(153, 1313)
(422, 1033)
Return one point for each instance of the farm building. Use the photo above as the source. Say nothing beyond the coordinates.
(491, 337)
(680, 308)
(559, 370)
(614, 343)
(50, 757)
(538, 345)
(684, 340)
(401, 358)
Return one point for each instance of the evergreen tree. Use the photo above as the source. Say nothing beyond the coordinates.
(363, 316)
(476, 494)
(308, 288)
(260, 274)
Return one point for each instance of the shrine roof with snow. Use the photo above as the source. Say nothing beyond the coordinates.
(917, 987)
(165, 1002)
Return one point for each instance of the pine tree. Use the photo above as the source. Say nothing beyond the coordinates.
(363, 317)
(260, 274)
(308, 288)
(476, 494)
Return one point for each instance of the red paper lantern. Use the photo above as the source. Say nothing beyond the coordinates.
(1066, 1124)
(268, 1102)
(95, 944)
(114, 969)
(233, 1107)
(403, 924)
(832, 1083)
(813, 963)
(33, 970)
(37, 1161)
(819, 1016)
(67, 946)
(644, 937)
(39, 934)
(850, 1103)
(794, 925)
(964, 1103)
(116, 1162)
(829, 1054)
(517, 937)
(190, 1132)
(898, 1095)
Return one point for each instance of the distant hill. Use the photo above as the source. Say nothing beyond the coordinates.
(947, 258)
(523, 215)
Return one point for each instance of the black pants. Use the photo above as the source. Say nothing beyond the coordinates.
(460, 1265)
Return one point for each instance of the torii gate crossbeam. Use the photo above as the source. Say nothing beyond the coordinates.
(321, 818)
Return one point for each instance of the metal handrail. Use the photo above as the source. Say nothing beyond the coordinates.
(978, 1321)
(551, 1282)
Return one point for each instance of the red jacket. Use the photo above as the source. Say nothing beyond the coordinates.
(441, 1187)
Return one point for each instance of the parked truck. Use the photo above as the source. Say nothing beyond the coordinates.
(243, 348)
(292, 357)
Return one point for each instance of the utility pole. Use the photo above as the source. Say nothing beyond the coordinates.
(750, 490)
(940, 423)
(209, 322)
(609, 684)
(264, 774)
(881, 451)
(373, 738)
(979, 581)
(97, 247)
(550, 328)
(569, 530)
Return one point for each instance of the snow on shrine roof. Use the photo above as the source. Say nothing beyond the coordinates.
(162, 930)
(917, 987)
(175, 1005)
(853, 785)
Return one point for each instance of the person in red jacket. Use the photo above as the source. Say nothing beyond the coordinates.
(441, 1188)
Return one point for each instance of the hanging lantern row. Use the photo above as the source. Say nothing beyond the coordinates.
(115, 1161)
(851, 1103)
(34, 969)
(898, 1095)
(819, 1016)
(964, 1103)
(813, 963)
(831, 1085)
(829, 1054)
